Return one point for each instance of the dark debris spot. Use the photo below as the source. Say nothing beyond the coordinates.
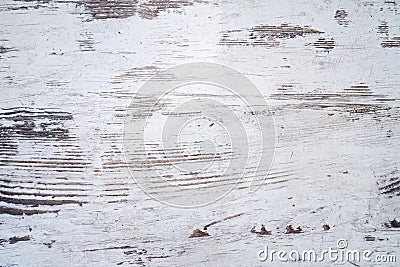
(16, 239)
(198, 233)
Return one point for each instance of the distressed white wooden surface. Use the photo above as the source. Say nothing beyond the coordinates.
(329, 69)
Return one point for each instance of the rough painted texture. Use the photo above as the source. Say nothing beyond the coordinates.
(329, 69)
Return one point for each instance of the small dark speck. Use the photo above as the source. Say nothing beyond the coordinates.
(212, 124)
(369, 238)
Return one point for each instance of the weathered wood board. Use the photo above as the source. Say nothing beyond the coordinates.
(330, 71)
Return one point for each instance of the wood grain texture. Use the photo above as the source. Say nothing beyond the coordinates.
(69, 69)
